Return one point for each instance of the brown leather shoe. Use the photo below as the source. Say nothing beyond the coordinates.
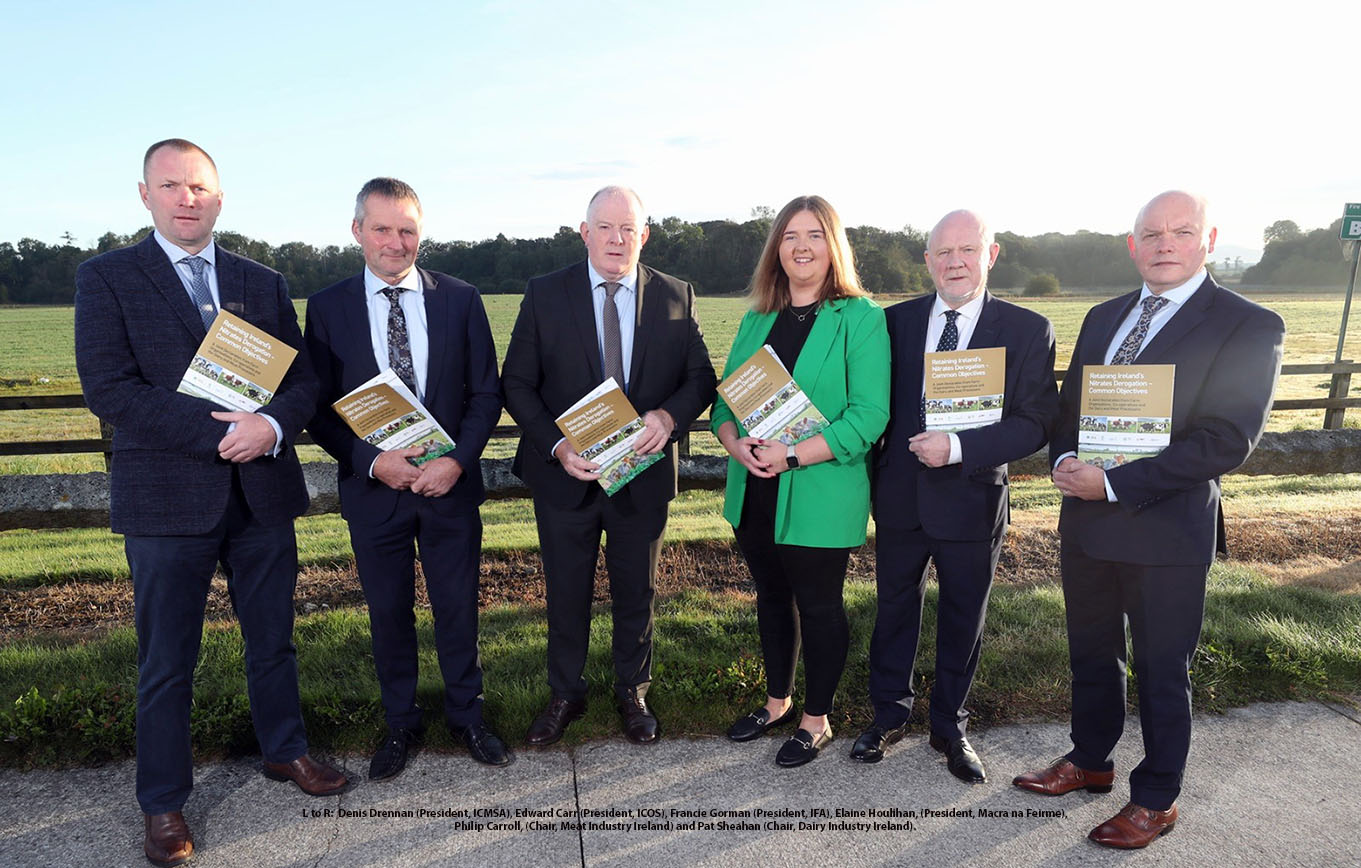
(549, 725)
(168, 841)
(640, 724)
(1064, 777)
(312, 777)
(1134, 827)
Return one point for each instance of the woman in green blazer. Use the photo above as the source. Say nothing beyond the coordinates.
(797, 511)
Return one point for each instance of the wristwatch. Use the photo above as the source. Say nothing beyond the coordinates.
(791, 458)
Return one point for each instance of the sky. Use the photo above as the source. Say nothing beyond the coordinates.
(506, 116)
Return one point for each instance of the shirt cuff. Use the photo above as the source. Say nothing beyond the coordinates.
(278, 434)
(1059, 460)
(553, 453)
(1110, 492)
(956, 455)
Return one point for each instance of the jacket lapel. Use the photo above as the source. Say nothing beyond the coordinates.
(986, 331)
(582, 313)
(645, 320)
(820, 341)
(1190, 315)
(167, 282)
(356, 312)
(231, 285)
(438, 332)
(1097, 353)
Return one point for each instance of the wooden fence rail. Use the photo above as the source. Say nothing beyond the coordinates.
(1335, 407)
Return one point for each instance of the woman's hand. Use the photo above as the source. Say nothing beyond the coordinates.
(755, 454)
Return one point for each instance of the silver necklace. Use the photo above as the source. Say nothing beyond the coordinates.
(812, 309)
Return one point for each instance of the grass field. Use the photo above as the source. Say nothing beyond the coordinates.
(38, 357)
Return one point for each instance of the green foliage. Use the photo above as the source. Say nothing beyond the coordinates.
(1042, 284)
(1298, 259)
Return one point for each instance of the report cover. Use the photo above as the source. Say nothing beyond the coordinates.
(769, 404)
(964, 388)
(237, 366)
(384, 413)
(601, 428)
(1125, 413)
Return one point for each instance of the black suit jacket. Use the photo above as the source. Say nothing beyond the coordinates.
(462, 391)
(136, 332)
(965, 501)
(1228, 356)
(554, 359)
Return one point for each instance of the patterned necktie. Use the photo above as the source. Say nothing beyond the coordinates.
(614, 345)
(198, 289)
(399, 342)
(949, 342)
(1129, 347)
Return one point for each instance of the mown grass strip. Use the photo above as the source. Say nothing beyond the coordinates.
(65, 701)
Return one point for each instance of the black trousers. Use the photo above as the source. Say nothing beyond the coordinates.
(964, 571)
(798, 601)
(1164, 607)
(569, 540)
(450, 550)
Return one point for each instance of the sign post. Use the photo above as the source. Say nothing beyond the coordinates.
(1351, 231)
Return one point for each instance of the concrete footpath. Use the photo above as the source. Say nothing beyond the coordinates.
(1275, 784)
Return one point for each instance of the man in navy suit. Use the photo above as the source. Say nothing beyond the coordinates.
(193, 485)
(607, 316)
(942, 496)
(1137, 540)
(432, 331)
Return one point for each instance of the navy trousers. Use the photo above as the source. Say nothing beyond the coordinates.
(171, 576)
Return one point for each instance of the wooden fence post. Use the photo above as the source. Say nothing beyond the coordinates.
(1333, 417)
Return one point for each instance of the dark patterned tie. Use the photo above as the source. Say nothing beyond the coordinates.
(399, 342)
(1129, 347)
(198, 289)
(949, 342)
(614, 345)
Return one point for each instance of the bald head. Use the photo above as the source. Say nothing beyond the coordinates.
(616, 192)
(1171, 240)
(615, 230)
(959, 252)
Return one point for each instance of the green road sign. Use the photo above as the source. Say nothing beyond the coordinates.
(1351, 222)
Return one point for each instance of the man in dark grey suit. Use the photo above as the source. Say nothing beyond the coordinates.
(192, 485)
(607, 316)
(1137, 539)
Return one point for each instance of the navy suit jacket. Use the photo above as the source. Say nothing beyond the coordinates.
(136, 332)
(969, 500)
(554, 359)
(462, 391)
(1227, 352)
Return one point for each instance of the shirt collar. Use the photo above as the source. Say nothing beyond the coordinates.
(627, 282)
(175, 253)
(1180, 294)
(969, 310)
(373, 284)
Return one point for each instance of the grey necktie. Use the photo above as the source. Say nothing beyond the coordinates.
(399, 342)
(1129, 347)
(198, 289)
(614, 345)
(948, 343)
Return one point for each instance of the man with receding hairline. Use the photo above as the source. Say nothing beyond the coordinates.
(1137, 540)
(606, 316)
(432, 331)
(193, 485)
(941, 496)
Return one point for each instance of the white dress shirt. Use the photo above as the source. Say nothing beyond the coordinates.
(626, 303)
(965, 323)
(417, 330)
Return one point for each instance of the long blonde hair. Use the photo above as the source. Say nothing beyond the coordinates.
(769, 288)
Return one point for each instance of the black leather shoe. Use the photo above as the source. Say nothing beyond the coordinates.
(390, 758)
(802, 747)
(960, 759)
(483, 744)
(756, 724)
(552, 721)
(640, 724)
(869, 747)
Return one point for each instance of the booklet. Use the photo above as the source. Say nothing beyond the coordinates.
(601, 428)
(762, 394)
(1125, 413)
(384, 413)
(237, 366)
(964, 388)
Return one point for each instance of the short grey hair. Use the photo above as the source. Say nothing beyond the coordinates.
(391, 188)
(616, 189)
(988, 238)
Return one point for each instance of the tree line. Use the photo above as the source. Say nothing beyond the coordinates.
(717, 256)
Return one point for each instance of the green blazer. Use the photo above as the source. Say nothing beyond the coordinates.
(844, 370)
